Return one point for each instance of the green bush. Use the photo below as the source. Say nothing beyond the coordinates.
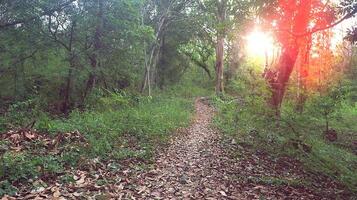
(146, 119)
(247, 111)
(245, 123)
(7, 188)
(246, 117)
(113, 101)
(23, 166)
(22, 113)
(3, 126)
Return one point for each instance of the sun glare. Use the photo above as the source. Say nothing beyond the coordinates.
(259, 44)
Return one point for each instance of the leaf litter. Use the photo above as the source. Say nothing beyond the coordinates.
(198, 163)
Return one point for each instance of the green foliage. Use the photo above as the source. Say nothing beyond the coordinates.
(247, 118)
(250, 125)
(67, 179)
(189, 89)
(3, 123)
(326, 106)
(7, 188)
(113, 124)
(119, 126)
(114, 101)
(332, 160)
(21, 113)
(248, 111)
(45, 59)
(23, 166)
(44, 123)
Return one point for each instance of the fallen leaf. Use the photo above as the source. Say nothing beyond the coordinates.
(223, 193)
(56, 193)
(30, 135)
(141, 190)
(6, 197)
(81, 181)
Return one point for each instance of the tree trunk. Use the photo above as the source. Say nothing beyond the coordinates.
(68, 87)
(146, 77)
(303, 73)
(72, 63)
(221, 32)
(94, 57)
(278, 80)
(149, 75)
(234, 59)
(16, 80)
(219, 64)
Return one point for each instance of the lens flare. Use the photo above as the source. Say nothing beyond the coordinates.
(259, 44)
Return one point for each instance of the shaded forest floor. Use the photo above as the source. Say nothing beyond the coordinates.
(198, 163)
(201, 164)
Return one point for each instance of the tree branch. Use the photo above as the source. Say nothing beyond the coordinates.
(199, 63)
(27, 56)
(317, 29)
(45, 12)
(54, 34)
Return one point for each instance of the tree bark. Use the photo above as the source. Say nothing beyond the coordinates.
(219, 64)
(303, 73)
(94, 57)
(149, 76)
(199, 63)
(72, 63)
(278, 84)
(278, 80)
(221, 32)
(68, 88)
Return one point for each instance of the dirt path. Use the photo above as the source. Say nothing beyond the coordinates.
(199, 164)
(194, 166)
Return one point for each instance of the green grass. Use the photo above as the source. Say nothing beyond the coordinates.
(333, 161)
(252, 120)
(116, 126)
(129, 130)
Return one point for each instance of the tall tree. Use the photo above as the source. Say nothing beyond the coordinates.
(163, 16)
(295, 21)
(221, 18)
(221, 15)
(62, 30)
(97, 46)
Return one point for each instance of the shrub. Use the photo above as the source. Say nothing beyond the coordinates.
(23, 166)
(147, 120)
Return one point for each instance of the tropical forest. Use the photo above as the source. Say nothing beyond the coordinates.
(178, 99)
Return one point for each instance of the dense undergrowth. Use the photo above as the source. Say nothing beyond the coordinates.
(115, 126)
(147, 121)
(245, 116)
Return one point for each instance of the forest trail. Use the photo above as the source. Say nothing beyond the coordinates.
(193, 167)
(198, 163)
(202, 164)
